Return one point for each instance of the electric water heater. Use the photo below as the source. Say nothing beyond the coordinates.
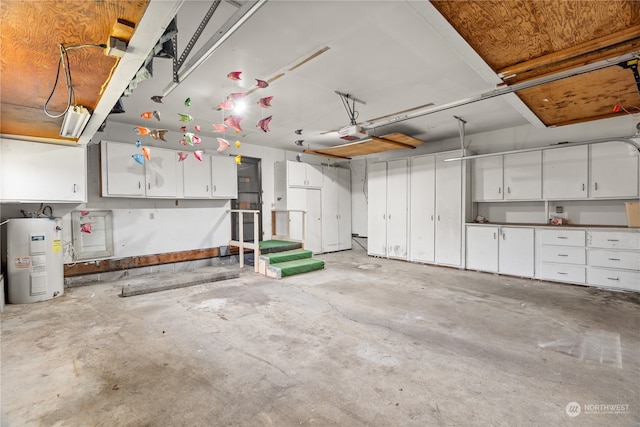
(34, 260)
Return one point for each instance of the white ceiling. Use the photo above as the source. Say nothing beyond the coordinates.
(393, 55)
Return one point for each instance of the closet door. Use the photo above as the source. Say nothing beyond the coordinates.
(377, 209)
(423, 203)
(448, 210)
(397, 185)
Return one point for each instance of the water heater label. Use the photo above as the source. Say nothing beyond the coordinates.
(57, 246)
(22, 262)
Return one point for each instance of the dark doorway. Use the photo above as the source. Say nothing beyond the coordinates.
(249, 197)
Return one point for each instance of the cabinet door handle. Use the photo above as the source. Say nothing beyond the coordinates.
(494, 235)
(596, 186)
(75, 188)
(214, 188)
(149, 186)
(438, 217)
(139, 185)
(562, 237)
(499, 190)
(562, 272)
(583, 186)
(207, 188)
(509, 190)
(384, 216)
(503, 236)
(431, 217)
(563, 255)
(613, 240)
(613, 278)
(389, 217)
(614, 259)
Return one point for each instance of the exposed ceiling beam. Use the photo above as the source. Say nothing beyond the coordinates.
(392, 142)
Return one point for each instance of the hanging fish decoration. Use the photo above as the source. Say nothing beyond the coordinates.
(299, 157)
(182, 155)
(226, 105)
(263, 124)
(235, 96)
(146, 115)
(219, 128)
(185, 117)
(158, 134)
(84, 213)
(223, 144)
(237, 144)
(156, 115)
(196, 139)
(198, 154)
(142, 130)
(197, 128)
(299, 142)
(86, 227)
(138, 158)
(298, 132)
(147, 152)
(157, 98)
(188, 137)
(261, 83)
(183, 129)
(265, 102)
(234, 75)
(233, 122)
(238, 159)
(138, 143)
(187, 102)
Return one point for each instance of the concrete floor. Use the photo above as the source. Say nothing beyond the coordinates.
(366, 342)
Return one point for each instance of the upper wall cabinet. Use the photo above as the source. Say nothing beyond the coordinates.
(510, 177)
(614, 170)
(224, 177)
(214, 177)
(40, 172)
(303, 175)
(564, 172)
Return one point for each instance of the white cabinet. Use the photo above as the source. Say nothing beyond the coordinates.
(614, 259)
(303, 175)
(482, 248)
(387, 225)
(487, 178)
(515, 176)
(197, 177)
(224, 177)
(614, 170)
(501, 249)
(561, 255)
(516, 255)
(41, 172)
(423, 204)
(121, 175)
(523, 176)
(449, 210)
(564, 173)
(161, 173)
(336, 209)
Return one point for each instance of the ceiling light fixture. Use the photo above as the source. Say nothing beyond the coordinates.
(75, 119)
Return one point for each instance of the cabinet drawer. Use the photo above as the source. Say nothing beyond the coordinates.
(614, 240)
(614, 259)
(562, 272)
(614, 278)
(562, 237)
(563, 254)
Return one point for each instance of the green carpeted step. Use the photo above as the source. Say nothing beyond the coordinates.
(290, 268)
(271, 246)
(293, 255)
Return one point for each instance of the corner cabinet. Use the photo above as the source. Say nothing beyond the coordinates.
(42, 172)
(160, 177)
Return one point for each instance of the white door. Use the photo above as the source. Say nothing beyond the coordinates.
(397, 194)
(482, 248)
(516, 251)
(614, 170)
(422, 211)
(313, 240)
(344, 208)
(124, 176)
(487, 178)
(377, 209)
(523, 176)
(314, 175)
(224, 176)
(564, 173)
(330, 210)
(448, 210)
(160, 173)
(296, 200)
(197, 177)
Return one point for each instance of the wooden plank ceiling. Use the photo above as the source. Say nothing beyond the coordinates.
(523, 39)
(31, 32)
(369, 146)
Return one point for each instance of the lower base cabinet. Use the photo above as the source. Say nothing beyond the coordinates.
(500, 249)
